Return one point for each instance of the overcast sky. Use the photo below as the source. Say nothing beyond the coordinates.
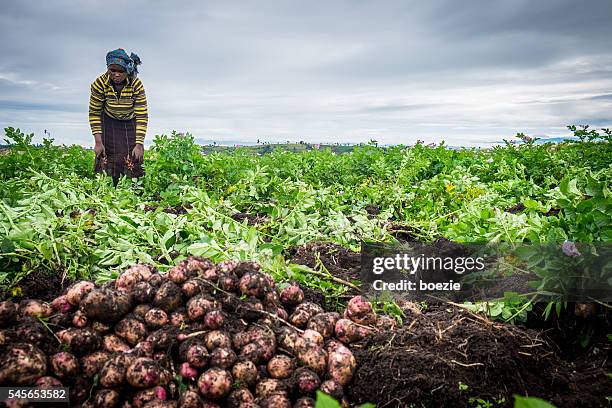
(469, 72)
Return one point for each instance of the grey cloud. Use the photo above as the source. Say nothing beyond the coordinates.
(346, 70)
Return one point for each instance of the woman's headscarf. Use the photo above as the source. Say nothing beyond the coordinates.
(120, 57)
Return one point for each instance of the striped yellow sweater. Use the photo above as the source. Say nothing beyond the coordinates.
(130, 103)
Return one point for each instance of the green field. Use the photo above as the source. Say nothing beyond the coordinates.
(57, 217)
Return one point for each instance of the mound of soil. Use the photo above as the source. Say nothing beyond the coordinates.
(258, 218)
(444, 356)
(38, 285)
(339, 261)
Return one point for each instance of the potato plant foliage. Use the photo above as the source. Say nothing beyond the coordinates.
(57, 215)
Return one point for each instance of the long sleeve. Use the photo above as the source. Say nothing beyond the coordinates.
(140, 111)
(96, 104)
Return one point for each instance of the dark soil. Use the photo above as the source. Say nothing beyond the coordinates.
(162, 259)
(553, 212)
(515, 208)
(339, 261)
(258, 218)
(372, 210)
(38, 285)
(426, 361)
(402, 232)
(178, 209)
(314, 296)
(567, 331)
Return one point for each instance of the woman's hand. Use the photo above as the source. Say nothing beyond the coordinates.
(99, 147)
(138, 153)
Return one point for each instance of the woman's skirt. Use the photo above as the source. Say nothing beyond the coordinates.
(119, 139)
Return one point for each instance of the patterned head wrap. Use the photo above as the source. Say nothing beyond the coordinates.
(120, 57)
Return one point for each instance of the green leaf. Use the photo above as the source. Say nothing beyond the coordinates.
(325, 401)
(568, 187)
(531, 402)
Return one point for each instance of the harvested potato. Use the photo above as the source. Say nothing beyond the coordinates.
(324, 323)
(253, 284)
(305, 402)
(131, 330)
(34, 308)
(48, 382)
(78, 291)
(143, 292)
(292, 295)
(227, 266)
(64, 364)
(177, 274)
(143, 397)
(281, 366)
(81, 341)
(333, 389)
(313, 336)
(106, 305)
(214, 320)
(106, 398)
(156, 280)
(287, 338)
(143, 349)
(306, 381)
(341, 363)
(246, 267)
(349, 332)
(240, 339)
(59, 304)
(92, 363)
(215, 383)
(201, 267)
(198, 306)
(276, 401)
(164, 338)
(197, 355)
(143, 373)
(360, 311)
(128, 279)
(189, 372)
(245, 372)
(22, 364)
(190, 399)
(156, 318)
(168, 297)
(303, 313)
(250, 309)
(193, 287)
(142, 309)
(113, 344)
(228, 282)
(178, 318)
(217, 338)
(313, 357)
(239, 397)
(79, 319)
(270, 386)
(113, 372)
(222, 357)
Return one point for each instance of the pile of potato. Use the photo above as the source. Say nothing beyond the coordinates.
(202, 335)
